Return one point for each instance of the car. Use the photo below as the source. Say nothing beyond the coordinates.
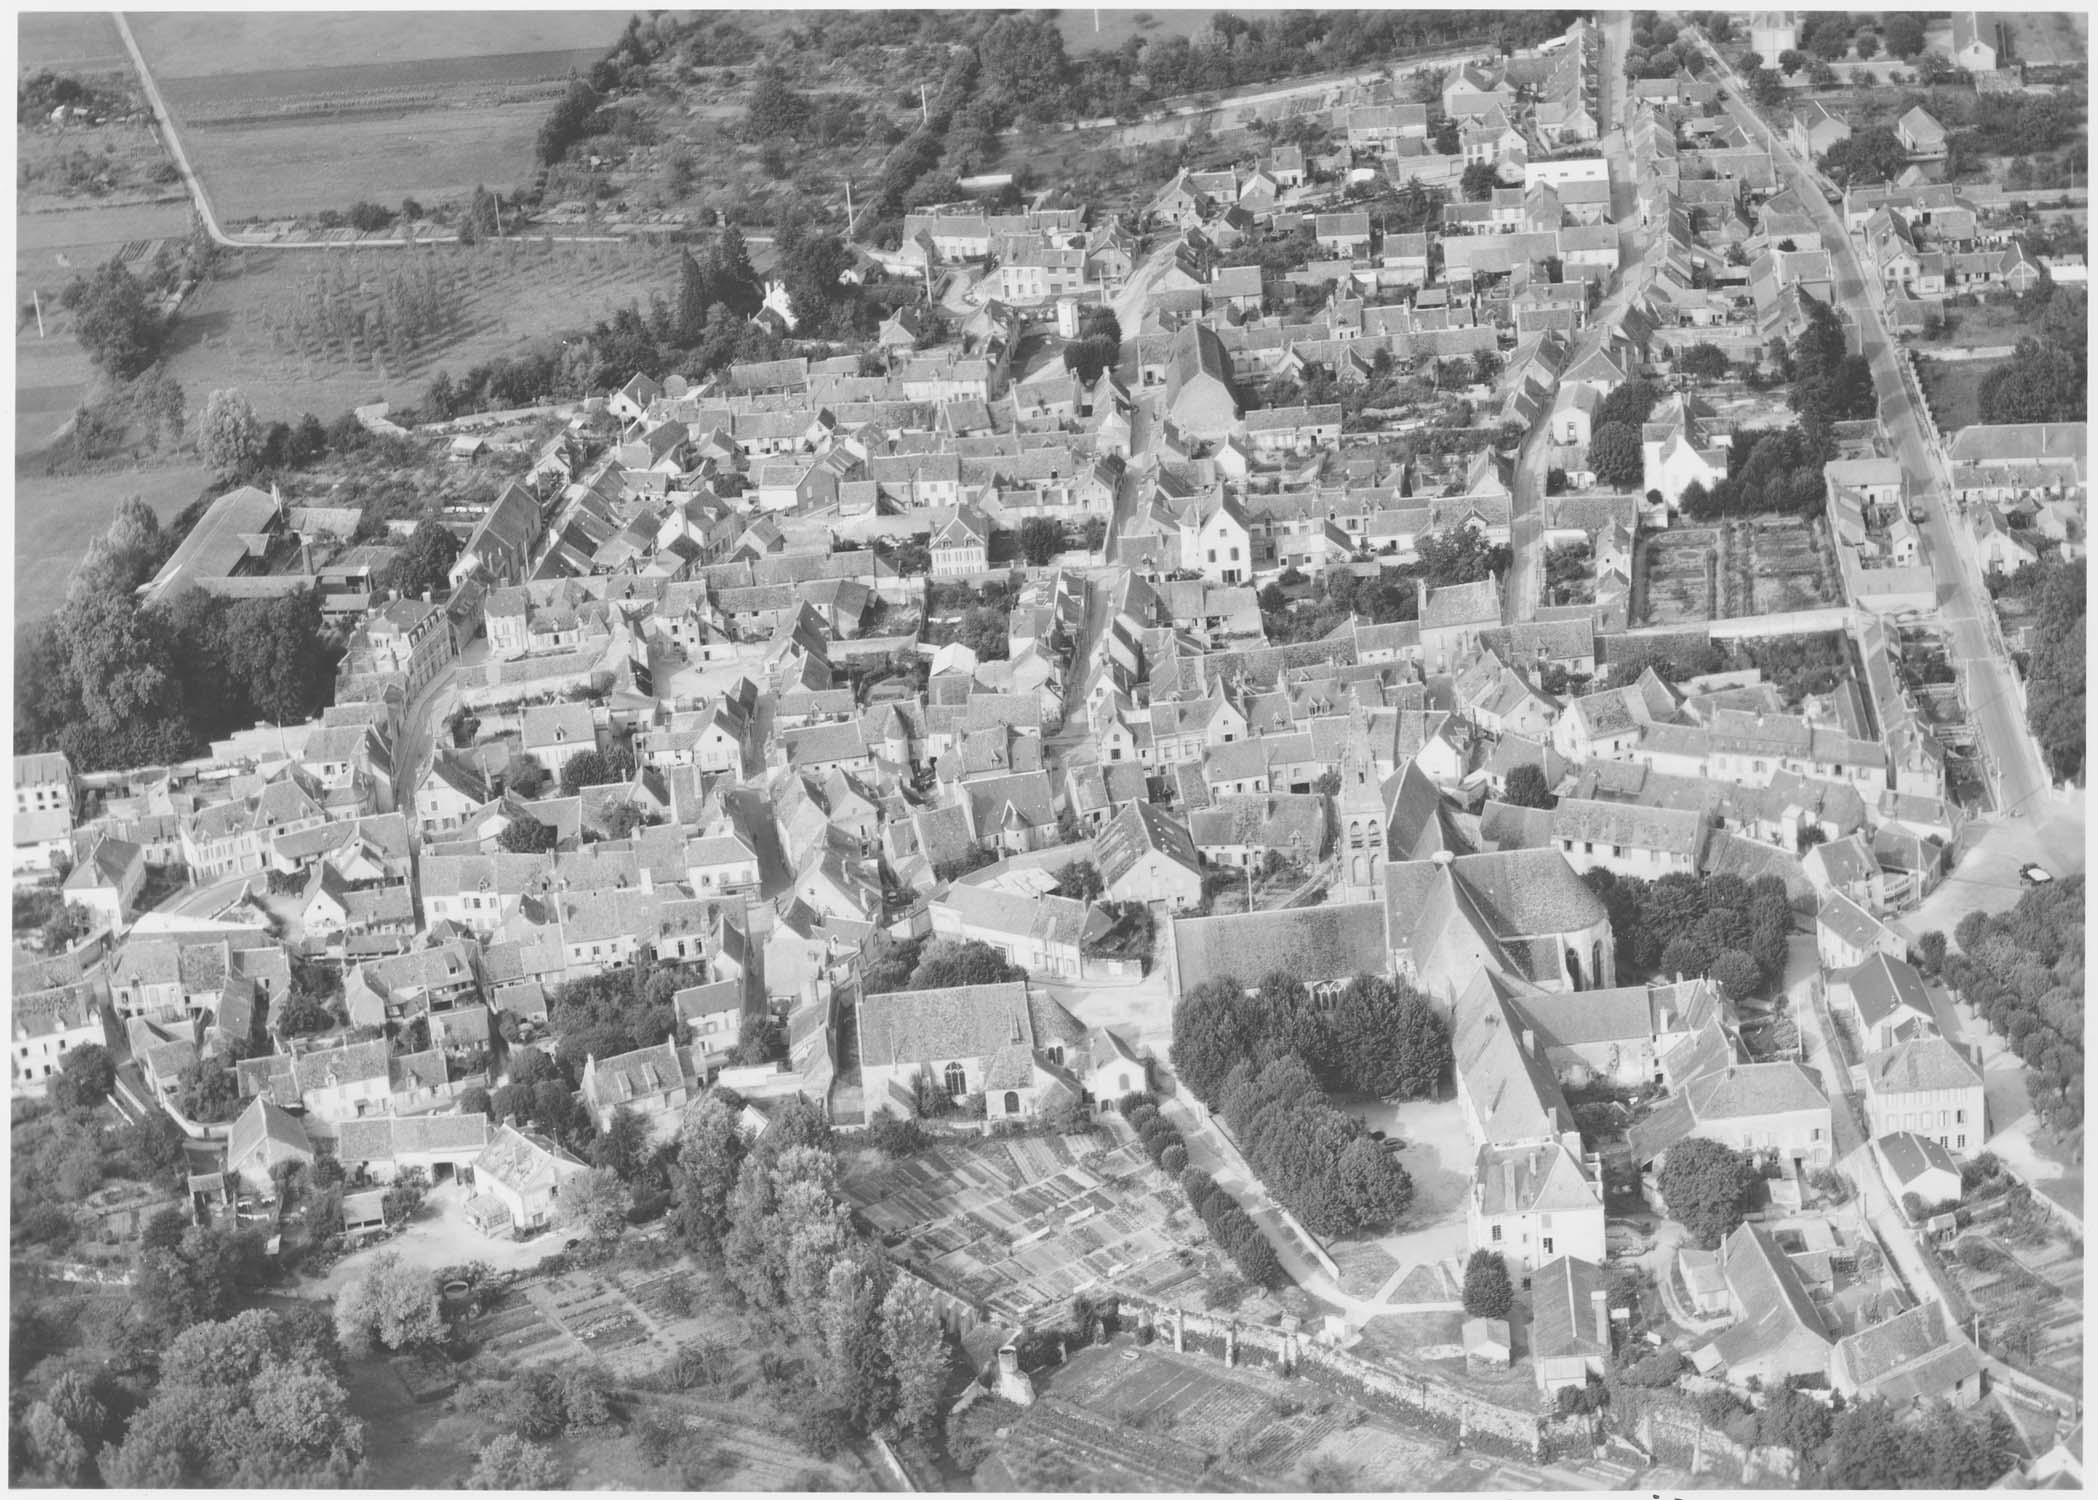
(2035, 875)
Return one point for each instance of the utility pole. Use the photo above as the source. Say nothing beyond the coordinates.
(924, 107)
(39, 301)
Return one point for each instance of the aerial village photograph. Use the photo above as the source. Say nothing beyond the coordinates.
(1049, 750)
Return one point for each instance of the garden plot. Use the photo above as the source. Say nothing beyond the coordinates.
(1676, 580)
(1018, 1224)
(1791, 563)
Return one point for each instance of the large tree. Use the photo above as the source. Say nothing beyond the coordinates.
(113, 320)
(948, 962)
(424, 565)
(1616, 456)
(1487, 1292)
(1708, 1187)
(915, 1339)
(232, 435)
(1389, 1039)
(391, 1306)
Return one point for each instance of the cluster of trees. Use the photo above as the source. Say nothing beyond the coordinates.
(767, 1214)
(1871, 155)
(1263, 1063)
(1660, 50)
(1232, 1228)
(1445, 558)
(112, 682)
(240, 447)
(121, 331)
(252, 1402)
(1768, 473)
(2048, 380)
(60, 1155)
(2024, 971)
(2054, 685)
(943, 963)
(1732, 930)
(1709, 1187)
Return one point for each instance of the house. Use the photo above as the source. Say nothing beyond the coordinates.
(1200, 400)
(1044, 935)
(1629, 839)
(1777, 1333)
(1928, 1086)
(1909, 1361)
(1769, 1109)
(1846, 934)
(1013, 1047)
(1569, 1323)
(523, 1173)
(1920, 135)
(1452, 617)
(961, 542)
(52, 1011)
(265, 1136)
(1344, 236)
(1971, 48)
(1322, 947)
(1884, 1001)
(1532, 1202)
(45, 794)
(1913, 1163)
(1816, 128)
(1144, 855)
(1847, 867)
(107, 881)
(649, 1081)
(554, 733)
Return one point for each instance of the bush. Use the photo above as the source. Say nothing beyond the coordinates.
(1173, 1159)
(896, 1137)
(1487, 1291)
(1658, 1369)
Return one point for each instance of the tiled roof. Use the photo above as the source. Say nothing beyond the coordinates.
(1311, 943)
(908, 1027)
(1925, 1064)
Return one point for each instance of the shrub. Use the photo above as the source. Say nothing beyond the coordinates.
(1487, 1291)
(1174, 1158)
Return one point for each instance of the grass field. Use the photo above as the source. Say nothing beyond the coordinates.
(69, 42)
(440, 107)
(1954, 389)
(511, 297)
(1118, 26)
(2047, 37)
(55, 519)
(215, 44)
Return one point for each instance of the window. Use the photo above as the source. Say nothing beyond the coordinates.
(1496, 1234)
(1547, 1244)
(1817, 1133)
(957, 1080)
(1960, 1143)
(1212, 554)
(1012, 1102)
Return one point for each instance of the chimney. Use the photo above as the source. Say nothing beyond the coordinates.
(1442, 859)
(1529, 1042)
(1599, 1299)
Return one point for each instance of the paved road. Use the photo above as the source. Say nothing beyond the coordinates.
(2017, 775)
(1523, 589)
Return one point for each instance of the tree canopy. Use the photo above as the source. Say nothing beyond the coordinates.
(1708, 1187)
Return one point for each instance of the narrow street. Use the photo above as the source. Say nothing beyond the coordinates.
(2020, 781)
(1523, 589)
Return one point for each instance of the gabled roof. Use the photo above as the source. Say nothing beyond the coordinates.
(1562, 1310)
(1312, 943)
(526, 1162)
(1907, 1358)
(910, 1027)
(1773, 1300)
(1923, 1065)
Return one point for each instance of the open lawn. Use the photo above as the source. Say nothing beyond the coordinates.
(73, 42)
(256, 325)
(1953, 389)
(2049, 37)
(1087, 30)
(55, 519)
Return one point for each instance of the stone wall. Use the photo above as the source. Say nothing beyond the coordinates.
(1419, 1401)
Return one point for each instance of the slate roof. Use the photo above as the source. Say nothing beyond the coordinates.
(1333, 941)
(1562, 1310)
(1907, 1358)
(909, 1027)
(1926, 1063)
(264, 1121)
(639, 1074)
(1764, 1284)
(525, 1162)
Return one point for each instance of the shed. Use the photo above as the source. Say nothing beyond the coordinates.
(1487, 1345)
(363, 1213)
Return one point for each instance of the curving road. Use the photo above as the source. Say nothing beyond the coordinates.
(2017, 774)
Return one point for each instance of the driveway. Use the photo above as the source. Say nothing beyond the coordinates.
(439, 1236)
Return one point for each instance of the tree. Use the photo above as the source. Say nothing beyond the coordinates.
(622, 1146)
(1390, 1040)
(1616, 456)
(776, 111)
(424, 566)
(710, 1153)
(597, 1201)
(277, 660)
(1766, 88)
(1487, 1291)
(508, 1462)
(207, 1092)
(1041, 538)
(1929, 957)
(951, 962)
(391, 1306)
(527, 835)
(1866, 156)
(1736, 974)
(915, 1339)
(1479, 181)
(1528, 788)
(1081, 881)
(1705, 361)
(1708, 1187)
(1376, 1190)
(1215, 1027)
(1902, 31)
(86, 1075)
(120, 331)
(231, 435)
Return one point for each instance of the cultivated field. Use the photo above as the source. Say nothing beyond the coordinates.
(69, 42)
(2049, 37)
(277, 124)
(1778, 564)
(1676, 581)
(305, 330)
(1021, 1224)
(56, 518)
